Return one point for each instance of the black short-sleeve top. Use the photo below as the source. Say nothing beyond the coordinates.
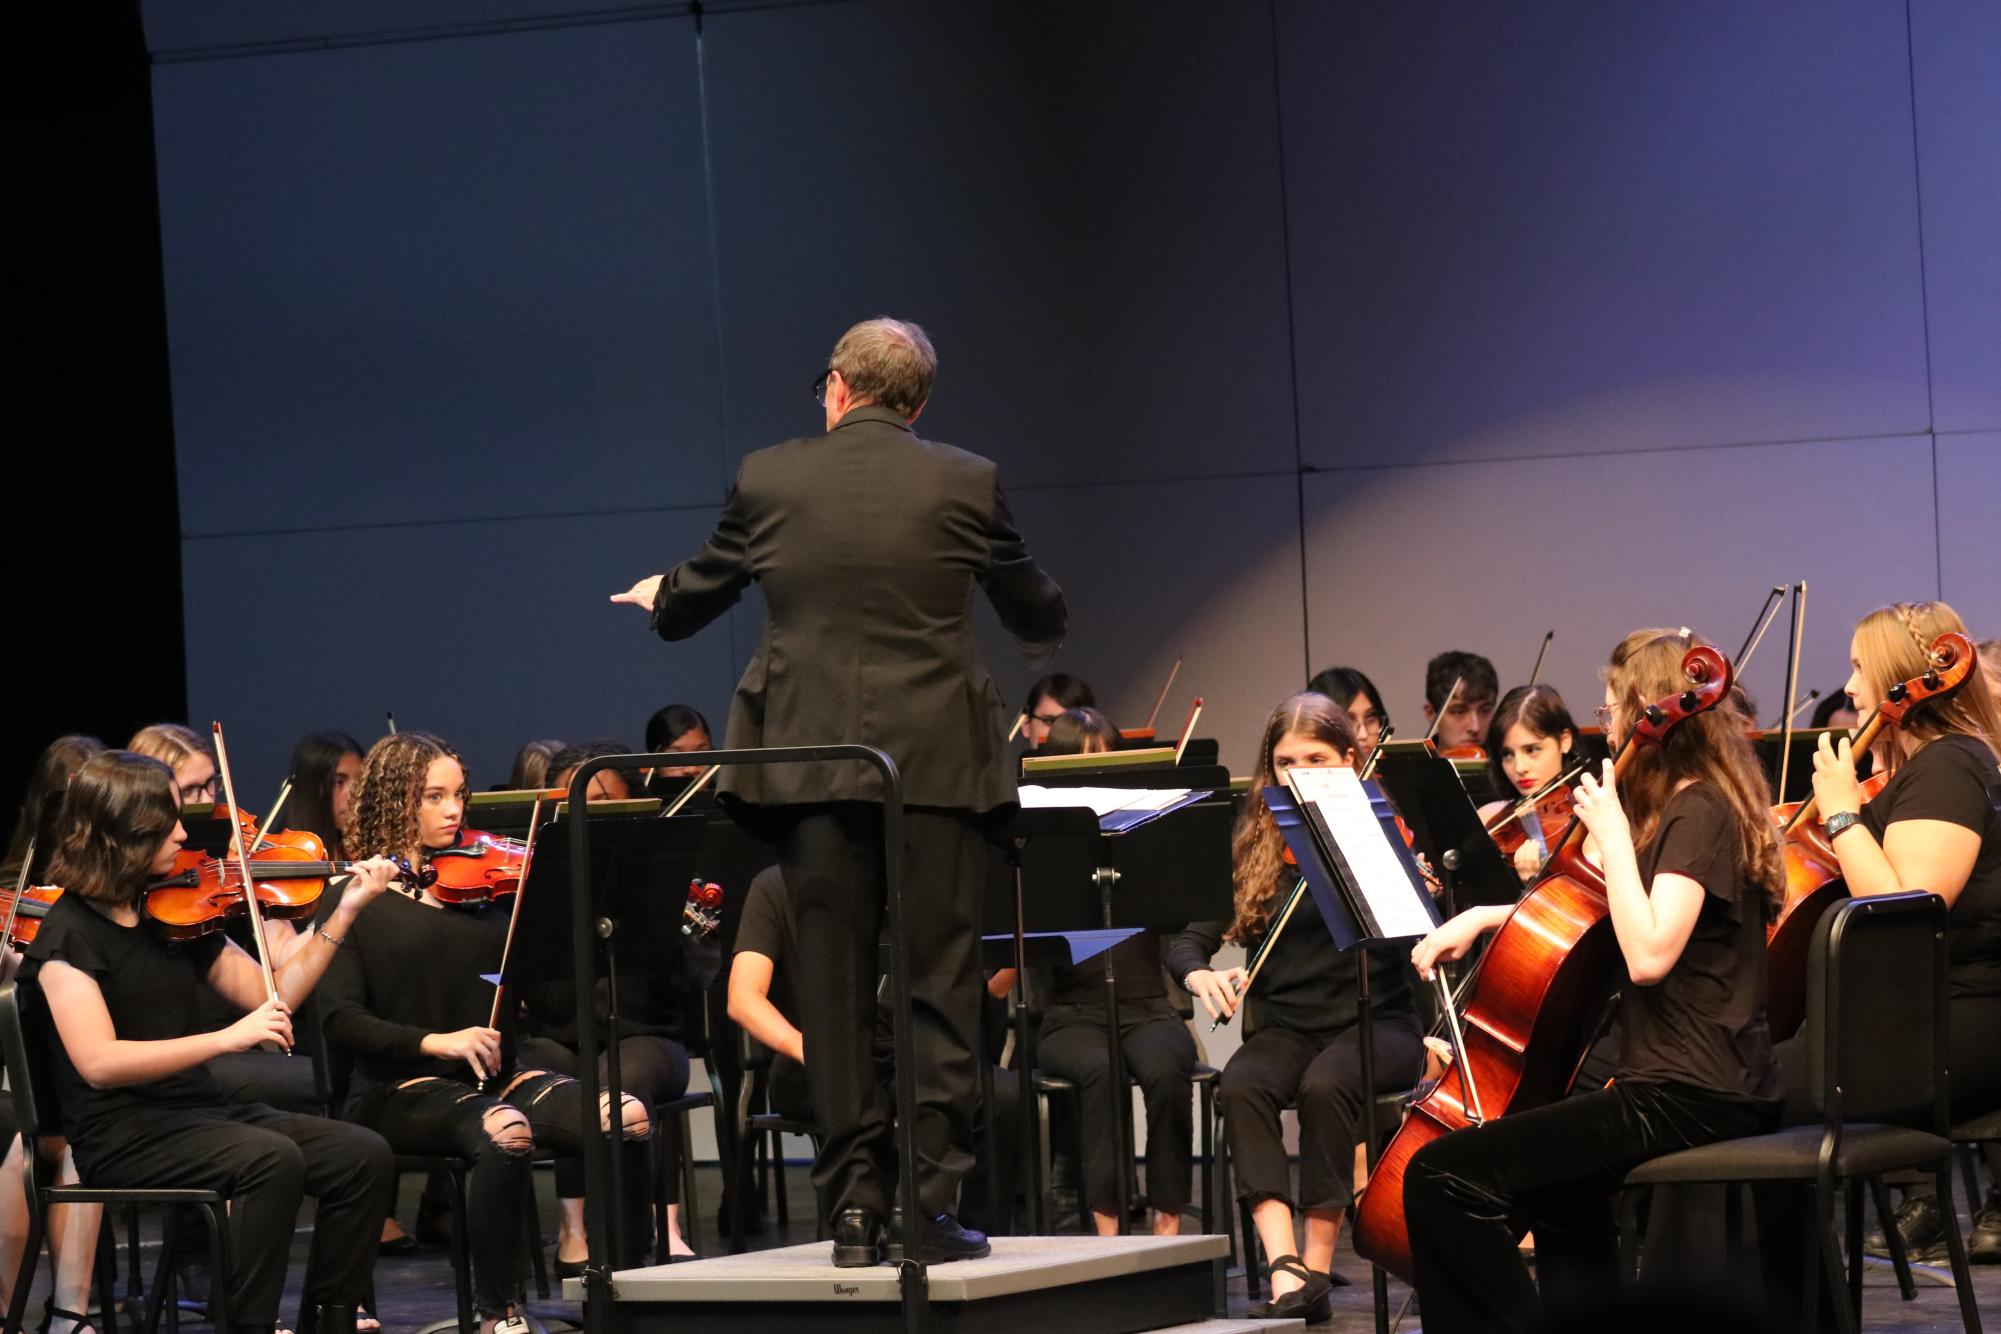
(150, 986)
(1956, 779)
(767, 928)
(1704, 1023)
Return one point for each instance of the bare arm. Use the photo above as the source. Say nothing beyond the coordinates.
(300, 962)
(106, 1060)
(1652, 922)
(750, 1005)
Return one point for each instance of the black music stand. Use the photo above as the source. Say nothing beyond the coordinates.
(1078, 872)
(1350, 904)
(1446, 826)
(639, 863)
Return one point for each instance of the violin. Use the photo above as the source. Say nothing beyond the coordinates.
(1533, 996)
(1552, 805)
(204, 893)
(25, 908)
(479, 868)
(1813, 872)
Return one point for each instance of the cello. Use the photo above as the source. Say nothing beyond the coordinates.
(1532, 997)
(1813, 872)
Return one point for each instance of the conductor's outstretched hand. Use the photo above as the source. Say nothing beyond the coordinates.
(642, 593)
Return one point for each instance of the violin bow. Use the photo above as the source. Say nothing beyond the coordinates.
(20, 888)
(514, 917)
(1264, 947)
(1166, 686)
(271, 815)
(1368, 769)
(1759, 624)
(1792, 685)
(1188, 732)
(1536, 674)
(250, 903)
(688, 793)
(1020, 721)
(1439, 717)
(1528, 803)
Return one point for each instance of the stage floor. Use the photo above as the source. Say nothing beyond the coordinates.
(415, 1290)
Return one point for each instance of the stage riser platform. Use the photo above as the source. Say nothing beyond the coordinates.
(1047, 1285)
(1125, 1305)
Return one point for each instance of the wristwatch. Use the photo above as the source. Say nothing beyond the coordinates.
(1839, 821)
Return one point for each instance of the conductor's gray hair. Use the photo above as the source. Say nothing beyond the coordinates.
(889, 362)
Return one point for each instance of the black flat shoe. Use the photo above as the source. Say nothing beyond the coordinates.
(1983, 1243)
(858, 1237)
(570, 1268)
(941, 1240)
(401, 1244)
(1308, 1302)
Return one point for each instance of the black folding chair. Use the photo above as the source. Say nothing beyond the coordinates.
(1876, 1051)
(25, 1039)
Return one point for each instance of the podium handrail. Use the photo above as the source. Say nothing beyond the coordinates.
(602, 1187)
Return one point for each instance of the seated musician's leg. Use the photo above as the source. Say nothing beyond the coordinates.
(1160, 1054)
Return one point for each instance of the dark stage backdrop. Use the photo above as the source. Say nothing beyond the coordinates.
(1304, 332)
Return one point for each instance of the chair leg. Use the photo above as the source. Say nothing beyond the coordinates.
(1832, 1279)
(31, 1253)
(133, 1274)
(1900, 1261)
(656, 1175)
(743, 1171)
(462, 1251)
(538, 1263)
(1962, 1276)
(1852, 1215)
(1208, 1101)
(1043, 1167)
(217, 1218)
(1629, 1234)
(684, 1159)
(1969, 1167)
(1253, 1253)
(105, 1281)
(163, 1277)
(777, 1162)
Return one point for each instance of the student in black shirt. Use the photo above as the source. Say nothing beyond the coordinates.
(1691, 865)
(1302, 1046)
(1933, 826)
(137, 1101)
(1158, 1050)
(408, 1003)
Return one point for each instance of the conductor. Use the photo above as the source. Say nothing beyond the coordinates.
(868, 542)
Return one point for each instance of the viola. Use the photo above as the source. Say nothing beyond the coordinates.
(24, 909)
(1532, 999)
(1813, 872)
(479, 868)
(702, 916)
(204, 893)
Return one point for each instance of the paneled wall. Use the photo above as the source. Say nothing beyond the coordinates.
(1303, 332)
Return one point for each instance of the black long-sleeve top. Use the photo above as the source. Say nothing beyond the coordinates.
(408, 970)
(1307, 985)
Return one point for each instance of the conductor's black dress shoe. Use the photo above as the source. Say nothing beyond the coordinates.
(857, 1239)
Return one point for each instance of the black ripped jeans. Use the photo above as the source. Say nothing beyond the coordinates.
(445, 1116)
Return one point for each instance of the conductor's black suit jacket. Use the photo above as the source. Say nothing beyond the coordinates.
(868, 542)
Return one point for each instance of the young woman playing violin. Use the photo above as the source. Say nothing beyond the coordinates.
(1529, 745)
(1691, 865)
(1302, 1045)
(407, 1002)
(1933, 826)
(136, 1098)
(72, 1227)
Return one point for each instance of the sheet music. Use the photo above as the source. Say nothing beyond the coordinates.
(1337, 795)
(1103, 801)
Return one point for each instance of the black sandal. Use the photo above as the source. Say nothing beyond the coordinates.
(1308, 1302)
(83, 1319)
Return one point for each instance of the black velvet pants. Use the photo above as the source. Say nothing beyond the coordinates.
(264, 1161)
(1159, 1055)
(1469, 1196)
(832, 859)
(1320, 1075)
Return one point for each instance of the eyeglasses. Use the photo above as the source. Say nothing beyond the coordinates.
(820, 386)
(1046, 719)
(1604, 714)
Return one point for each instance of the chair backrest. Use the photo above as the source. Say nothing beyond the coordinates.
(1876, 1012)
(24, 1042)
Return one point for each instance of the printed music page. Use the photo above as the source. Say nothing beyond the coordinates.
(1338, 797)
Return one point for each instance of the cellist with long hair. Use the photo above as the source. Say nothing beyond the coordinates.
(1691, 869)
